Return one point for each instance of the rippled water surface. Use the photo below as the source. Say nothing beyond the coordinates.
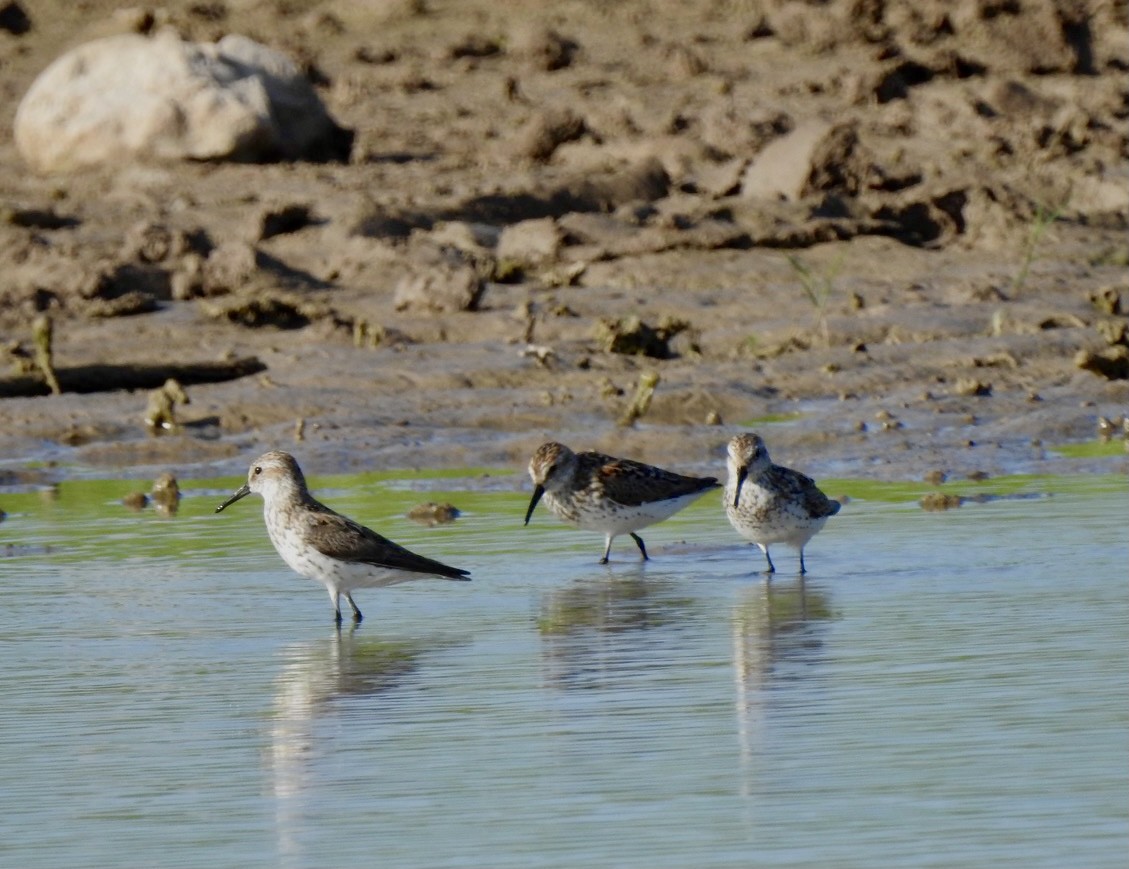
(943, 690)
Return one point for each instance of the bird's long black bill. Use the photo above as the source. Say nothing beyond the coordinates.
(538, 491)
(742, 473)
(242, 492)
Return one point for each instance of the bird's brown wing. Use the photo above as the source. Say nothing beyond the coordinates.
(339, 537)
(802, 487)
(633, 483)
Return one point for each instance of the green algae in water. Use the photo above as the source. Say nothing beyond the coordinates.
(770, 419)
(1002, 487)
(85, 518)
(1092, 449)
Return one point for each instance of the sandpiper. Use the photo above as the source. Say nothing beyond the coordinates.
(767, 503)
(613, 496)
(323, 545)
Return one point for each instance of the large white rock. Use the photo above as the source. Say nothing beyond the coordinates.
(127, 97)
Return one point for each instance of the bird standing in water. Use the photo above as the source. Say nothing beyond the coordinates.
(767, 503)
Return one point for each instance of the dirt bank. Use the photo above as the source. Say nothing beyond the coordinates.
(887, 233)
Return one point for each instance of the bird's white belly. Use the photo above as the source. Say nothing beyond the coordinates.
(332, 573)
(609, 517)
(764, 519)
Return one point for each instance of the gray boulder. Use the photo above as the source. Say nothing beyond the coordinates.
(131, 97)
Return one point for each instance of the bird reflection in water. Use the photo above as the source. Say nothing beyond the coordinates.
(314, 682)
(776, 637)
(596, 629)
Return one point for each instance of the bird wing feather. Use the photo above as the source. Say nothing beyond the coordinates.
(339, 537)
(815, 503)
(634, 483)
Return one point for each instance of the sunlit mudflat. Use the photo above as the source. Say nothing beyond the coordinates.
(943, 690)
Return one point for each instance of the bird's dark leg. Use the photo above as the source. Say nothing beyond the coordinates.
(639, 542)
(337, 617)
(771, 566)
(607, 550)
(356, 611)
(803, 569)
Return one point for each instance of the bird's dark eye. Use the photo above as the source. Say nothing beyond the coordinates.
(258, 471)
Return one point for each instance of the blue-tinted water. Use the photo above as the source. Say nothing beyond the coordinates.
(944, 690)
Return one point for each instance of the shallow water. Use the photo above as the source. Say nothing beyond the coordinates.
(942, 690)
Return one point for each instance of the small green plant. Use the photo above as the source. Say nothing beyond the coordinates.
(818, 287)
(1044, 216)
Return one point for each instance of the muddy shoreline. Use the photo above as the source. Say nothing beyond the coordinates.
(919, 306)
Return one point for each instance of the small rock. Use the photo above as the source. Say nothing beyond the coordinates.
(547, 131)
(530, 242)
(816, 156)
(439, 287)
(136, 501)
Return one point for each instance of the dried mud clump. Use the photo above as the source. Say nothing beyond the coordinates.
(160, 413)
(1107, 300)
(542, 48)
(279, 310)
(547, 131)
(1111, 363)
(430, 513)
(450, 281)
(630, 336)
(938, 501)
